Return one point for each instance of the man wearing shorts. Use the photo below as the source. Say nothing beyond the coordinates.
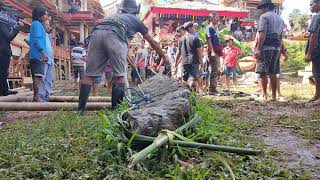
(230, 55)
(267, 49)
(78, 55)
(109, 43)
(190, 49)
(313, 48)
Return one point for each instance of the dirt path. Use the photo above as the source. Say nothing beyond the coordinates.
(290, 128)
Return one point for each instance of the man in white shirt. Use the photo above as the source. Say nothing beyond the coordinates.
(78, 56)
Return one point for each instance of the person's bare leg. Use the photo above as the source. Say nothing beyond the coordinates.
(109, 86)
(95, 89)
(199, 85)
(269, 87)
(235, 82)
(263, 83)
(278, 87)
(207, 84)
(228, 82)
(273, 84)
(317, 95)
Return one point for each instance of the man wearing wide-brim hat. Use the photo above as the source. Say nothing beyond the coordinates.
(267, 49)
(109, 43)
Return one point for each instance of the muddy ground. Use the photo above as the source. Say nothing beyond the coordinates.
(290, 128)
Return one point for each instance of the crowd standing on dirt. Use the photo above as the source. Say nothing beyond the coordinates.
(109, 52)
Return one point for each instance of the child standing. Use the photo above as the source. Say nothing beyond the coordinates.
(230, 55)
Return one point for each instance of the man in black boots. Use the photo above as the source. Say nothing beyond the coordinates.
(109, 44)
(7, 34)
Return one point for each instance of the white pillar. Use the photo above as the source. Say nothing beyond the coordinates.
(82, 31)
(86, 31)
(65, 38)
(60, 4)
(85, 5)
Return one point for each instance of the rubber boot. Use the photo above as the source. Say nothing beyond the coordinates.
(36, 88)
(83, 97)
(117, 94)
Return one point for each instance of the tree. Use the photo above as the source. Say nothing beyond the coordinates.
(299, 19)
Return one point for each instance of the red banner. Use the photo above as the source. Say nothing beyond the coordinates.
(157, 10)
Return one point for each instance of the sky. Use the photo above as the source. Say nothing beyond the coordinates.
(288, 5)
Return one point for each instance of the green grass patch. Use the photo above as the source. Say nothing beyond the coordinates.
(296, 53)
(68, 146)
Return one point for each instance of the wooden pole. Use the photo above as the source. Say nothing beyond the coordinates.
(76, 99)
(25, 97)
(35, 106)
(28, 93)
(18, 89)
(24, 90)
(15, 98)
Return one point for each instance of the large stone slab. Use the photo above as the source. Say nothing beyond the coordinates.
(169, 109)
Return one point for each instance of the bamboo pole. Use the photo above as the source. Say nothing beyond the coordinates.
(35, 106)
(76, 99)
(138, 157)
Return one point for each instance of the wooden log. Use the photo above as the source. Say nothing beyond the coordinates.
(76, 99)
(28, 93)
(18, 89)
(24, 90)
(35, 106)
(16, 98)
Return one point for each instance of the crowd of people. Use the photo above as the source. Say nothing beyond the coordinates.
(186, 58)
(199, 65)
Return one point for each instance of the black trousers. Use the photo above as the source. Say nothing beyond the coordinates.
(4, 67)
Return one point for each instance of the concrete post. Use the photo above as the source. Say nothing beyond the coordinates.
(82, 31)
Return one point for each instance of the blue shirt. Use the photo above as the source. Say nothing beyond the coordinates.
(213, 34)
(48, 50)
(37, 40)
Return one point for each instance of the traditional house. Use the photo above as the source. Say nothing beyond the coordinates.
(164, 19)
(251, 6)
(110, 8)
(64, 23)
